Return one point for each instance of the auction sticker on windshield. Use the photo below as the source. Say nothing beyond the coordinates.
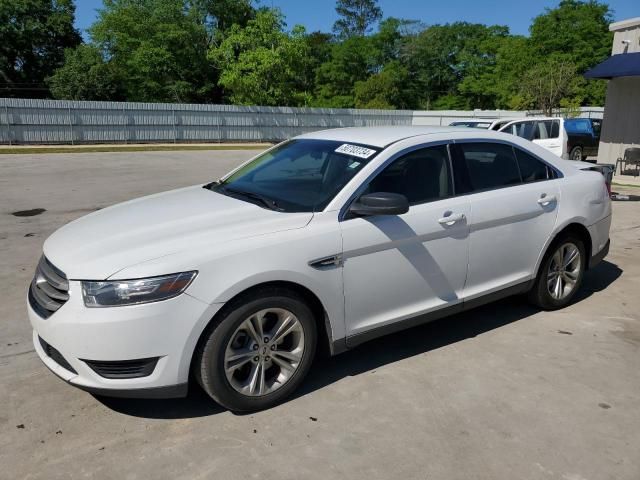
(355, 150)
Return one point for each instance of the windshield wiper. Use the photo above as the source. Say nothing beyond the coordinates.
(264, 200)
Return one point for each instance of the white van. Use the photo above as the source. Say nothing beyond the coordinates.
(545, 131)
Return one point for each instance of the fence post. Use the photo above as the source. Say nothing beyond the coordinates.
(125, 126)
(70, 125)
(173, 119)
(9, 129)
(296, 127)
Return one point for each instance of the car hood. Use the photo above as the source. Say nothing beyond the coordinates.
(102, 243)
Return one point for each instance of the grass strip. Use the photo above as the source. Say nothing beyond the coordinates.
(137, 148)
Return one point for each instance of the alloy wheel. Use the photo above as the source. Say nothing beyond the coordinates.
(564, 271)
(264, 352)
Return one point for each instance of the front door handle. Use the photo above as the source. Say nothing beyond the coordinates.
(451, 218)
(545, 199)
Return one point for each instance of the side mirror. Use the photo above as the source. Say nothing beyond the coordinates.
(380, 203)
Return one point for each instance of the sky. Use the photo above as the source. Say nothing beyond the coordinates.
(320, 14)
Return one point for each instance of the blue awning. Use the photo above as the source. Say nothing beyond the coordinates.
(621, 65)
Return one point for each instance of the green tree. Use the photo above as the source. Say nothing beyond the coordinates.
(578, 29)
(85, 75)
(262, 64)
(550, 83)
(495, 82)
(388, 42)
(389, 89)
(319, 49)
(441, 56)
(357, 17)
(352, 60)
(355, 59)
(33, 36)
(220, 15)
(159, 46)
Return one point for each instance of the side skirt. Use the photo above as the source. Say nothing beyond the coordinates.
(342, 345)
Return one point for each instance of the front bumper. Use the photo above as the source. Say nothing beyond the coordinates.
(168, 330)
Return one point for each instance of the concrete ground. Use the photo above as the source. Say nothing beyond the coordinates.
(501, 392)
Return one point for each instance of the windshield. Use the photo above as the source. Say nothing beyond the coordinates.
(299, 175)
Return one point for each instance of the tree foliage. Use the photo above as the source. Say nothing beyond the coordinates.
(351, 61)
(548, 82)
(159, 46)
(386, 89)
(33, 36)
(357, 17)
(216, 51)
(86, 76)
(578, 29)
(442, 56)
(260, 63)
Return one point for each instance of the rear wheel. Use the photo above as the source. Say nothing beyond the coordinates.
(576, 154)
(560, 275)
(258, 351)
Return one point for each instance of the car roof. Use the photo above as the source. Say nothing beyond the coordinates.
(534, 119)
(377, 136)
(510, 119)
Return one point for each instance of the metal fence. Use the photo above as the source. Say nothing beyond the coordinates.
(29, 121)
(57, 121)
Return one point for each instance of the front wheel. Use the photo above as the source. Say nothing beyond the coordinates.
(258, 351)
(560, 275)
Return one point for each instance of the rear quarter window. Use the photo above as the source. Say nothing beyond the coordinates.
(532, 169)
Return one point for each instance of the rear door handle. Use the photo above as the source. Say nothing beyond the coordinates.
(451, 218)
(545, 199)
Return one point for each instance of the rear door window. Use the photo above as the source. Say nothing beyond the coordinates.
(522, 129)
(546, 129)
(484, 166)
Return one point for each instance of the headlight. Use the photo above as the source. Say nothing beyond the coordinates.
(131, 292)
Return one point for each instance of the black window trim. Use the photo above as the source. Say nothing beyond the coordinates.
(343, 213)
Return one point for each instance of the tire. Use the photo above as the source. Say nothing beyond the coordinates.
(576, 154)
(255, 377)
(545, 292)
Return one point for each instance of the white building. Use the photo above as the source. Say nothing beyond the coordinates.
(621, 124)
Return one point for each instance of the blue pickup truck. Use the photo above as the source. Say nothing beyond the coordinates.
(583, 137)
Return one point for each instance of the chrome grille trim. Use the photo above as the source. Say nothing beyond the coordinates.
(53, 292)
(53, 276)
(48, 290)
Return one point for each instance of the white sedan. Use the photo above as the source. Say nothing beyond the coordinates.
(333, 237)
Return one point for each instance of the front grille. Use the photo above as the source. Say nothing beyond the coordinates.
(56, 356)
(142, 367)
(49, 289)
